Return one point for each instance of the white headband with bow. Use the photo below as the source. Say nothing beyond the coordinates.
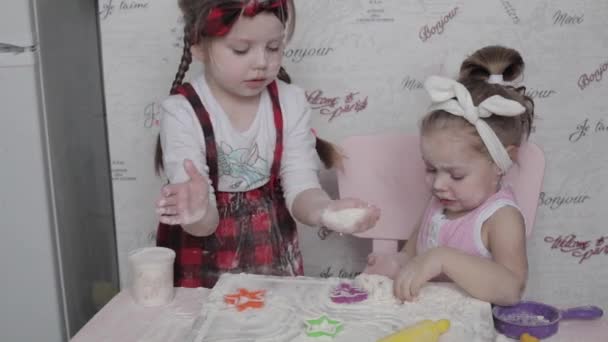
(453, 97)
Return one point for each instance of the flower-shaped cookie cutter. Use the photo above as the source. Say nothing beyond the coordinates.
(346, 293)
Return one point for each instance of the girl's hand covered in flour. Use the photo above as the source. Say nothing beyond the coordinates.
(349, 216)
(187, 202)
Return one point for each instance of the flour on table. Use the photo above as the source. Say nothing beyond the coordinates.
(378, 287)
(290, 302)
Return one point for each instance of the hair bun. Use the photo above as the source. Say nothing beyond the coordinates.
(492, 60)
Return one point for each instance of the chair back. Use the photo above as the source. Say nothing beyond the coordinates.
(387, 171)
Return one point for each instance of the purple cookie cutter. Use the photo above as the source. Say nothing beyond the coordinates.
(346, 293)
(537, 319)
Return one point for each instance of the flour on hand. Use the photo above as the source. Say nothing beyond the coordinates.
(345, 218)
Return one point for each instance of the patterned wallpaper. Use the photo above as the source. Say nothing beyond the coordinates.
(362, 64)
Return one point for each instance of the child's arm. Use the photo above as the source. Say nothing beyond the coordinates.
(189, 199)
(390, 264)
(500, 280)
(308, 206)
(410, 246)
(311, 206)
(188, 204)
(300, 166)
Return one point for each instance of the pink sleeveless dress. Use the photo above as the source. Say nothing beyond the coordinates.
(463, 233)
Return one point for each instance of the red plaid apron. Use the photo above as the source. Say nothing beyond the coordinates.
(256, 233)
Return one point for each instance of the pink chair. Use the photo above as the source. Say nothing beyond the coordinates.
(387, 170)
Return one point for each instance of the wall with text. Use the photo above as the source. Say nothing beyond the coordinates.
(362, 64)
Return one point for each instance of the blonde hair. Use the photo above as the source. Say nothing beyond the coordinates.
(475, 72)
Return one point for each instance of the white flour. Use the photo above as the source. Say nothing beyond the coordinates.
(291, 301)
(345, 218)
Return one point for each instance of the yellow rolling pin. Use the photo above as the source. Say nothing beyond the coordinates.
(423, 331)
(525, 337)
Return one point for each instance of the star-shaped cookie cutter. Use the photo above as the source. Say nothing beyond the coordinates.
(347, 293)
(323, 326)
(245, 299)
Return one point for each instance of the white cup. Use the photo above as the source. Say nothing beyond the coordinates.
(151, 275)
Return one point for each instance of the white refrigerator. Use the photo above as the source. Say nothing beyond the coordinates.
(57, 249)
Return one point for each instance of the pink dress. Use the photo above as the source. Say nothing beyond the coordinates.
(463, 233)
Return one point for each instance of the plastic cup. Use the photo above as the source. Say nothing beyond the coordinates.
(151, 275)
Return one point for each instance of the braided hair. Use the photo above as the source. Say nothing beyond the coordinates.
(195, 13)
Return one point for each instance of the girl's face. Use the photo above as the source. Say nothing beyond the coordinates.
(460, 176)
(241, 64)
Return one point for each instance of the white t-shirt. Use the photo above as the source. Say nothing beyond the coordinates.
(244, 158)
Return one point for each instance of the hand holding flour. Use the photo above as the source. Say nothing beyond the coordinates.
(349, 216)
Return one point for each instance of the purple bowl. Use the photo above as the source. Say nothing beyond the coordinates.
(537, 319)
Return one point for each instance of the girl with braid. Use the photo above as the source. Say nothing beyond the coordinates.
(237, 147)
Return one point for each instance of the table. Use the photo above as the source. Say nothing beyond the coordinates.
(121, 320)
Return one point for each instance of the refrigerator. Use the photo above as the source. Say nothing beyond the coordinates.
(58, 245)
